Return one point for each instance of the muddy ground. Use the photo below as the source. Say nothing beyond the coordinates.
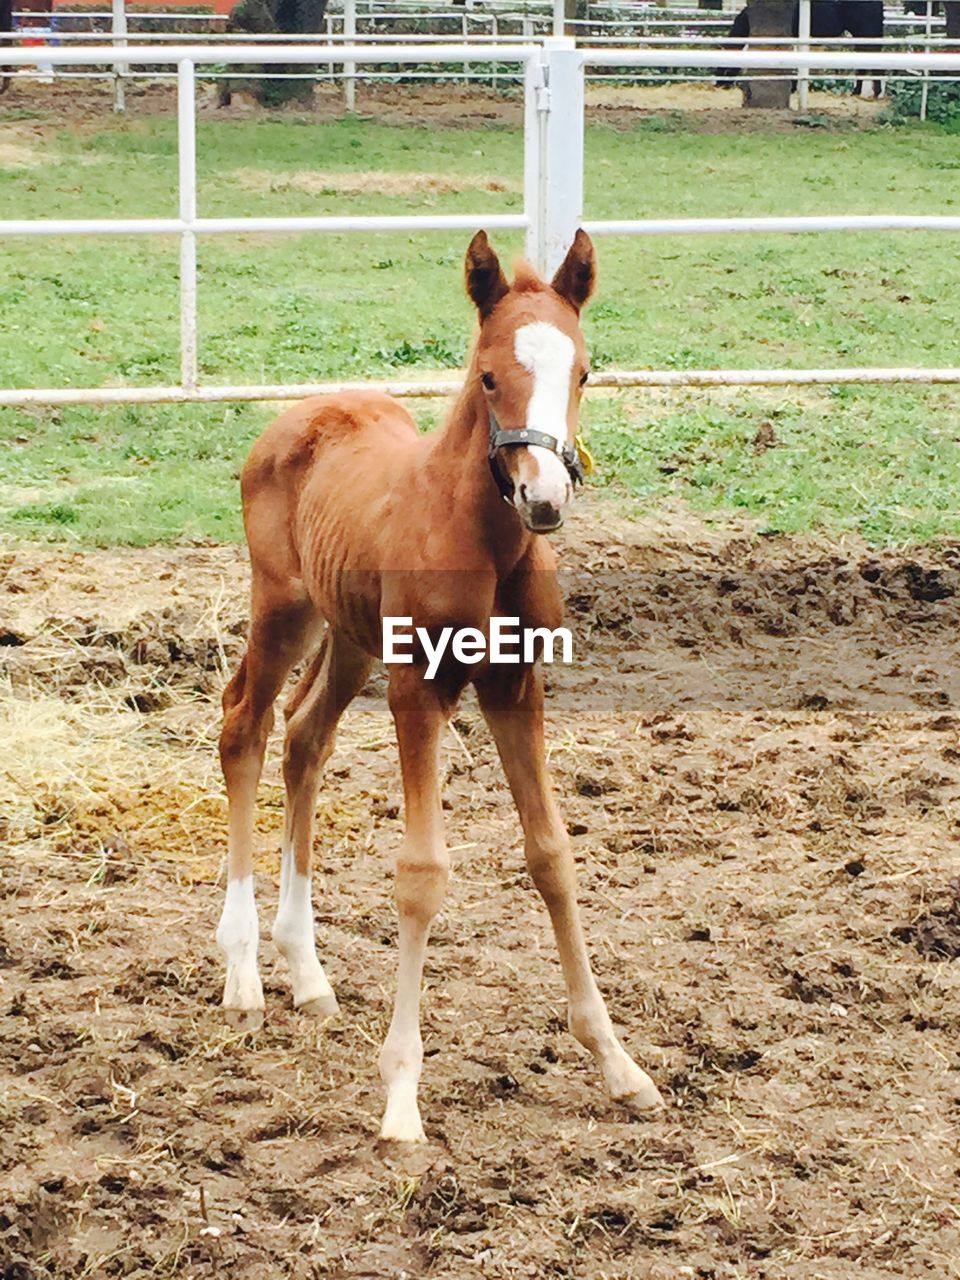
(696, 108)
(758, 759)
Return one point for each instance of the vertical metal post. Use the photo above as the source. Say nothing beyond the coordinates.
(534, 174)
(187, 153)
(559, 17)
(120, 69)
(465, 32)
(349, 68)
(495, 37)
(562, 150)
(803, 73)
(925, 87)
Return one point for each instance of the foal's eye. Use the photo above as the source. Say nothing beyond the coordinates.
(488, 381)
(584, 376)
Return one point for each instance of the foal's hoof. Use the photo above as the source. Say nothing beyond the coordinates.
(402, 1128)
(244, 1019)
(320, 1007)
(645, 1102)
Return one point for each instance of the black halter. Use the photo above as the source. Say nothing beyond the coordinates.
(525, 436)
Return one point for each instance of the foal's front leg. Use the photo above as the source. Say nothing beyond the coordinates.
(512, 703)
(423, 868)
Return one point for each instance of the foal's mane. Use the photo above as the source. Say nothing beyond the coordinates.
(526, 279)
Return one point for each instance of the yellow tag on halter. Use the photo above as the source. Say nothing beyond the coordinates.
(584, 454)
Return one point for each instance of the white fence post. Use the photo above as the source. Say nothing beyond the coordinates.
(925, 87)
(328, 24)
(561, 151)
(803, 73)
(559, 17)
(534, 173)
(119, 24)
(187, 146)
(350, 68)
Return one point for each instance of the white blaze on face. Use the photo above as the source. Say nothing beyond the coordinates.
(548, 354)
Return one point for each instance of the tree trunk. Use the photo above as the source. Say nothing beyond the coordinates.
(6, 24)
(575, 9)
(276, 17)
(769, 18)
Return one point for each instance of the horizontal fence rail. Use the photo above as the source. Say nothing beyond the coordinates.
(290, 226)
(613, 379)
(679, 45)
(265, 54)
(469, 222)
(811, 222)
(787, 59)
(553, 199)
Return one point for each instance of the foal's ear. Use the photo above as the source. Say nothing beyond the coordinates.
(577, 275)
(486, 283)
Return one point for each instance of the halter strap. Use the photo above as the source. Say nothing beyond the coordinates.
(517, 436)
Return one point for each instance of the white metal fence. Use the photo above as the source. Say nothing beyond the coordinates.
(553, 194)
(497, 21)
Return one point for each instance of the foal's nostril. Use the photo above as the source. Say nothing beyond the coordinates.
(543, 515)
(523, 493)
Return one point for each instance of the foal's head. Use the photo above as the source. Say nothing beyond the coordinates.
(532, 364)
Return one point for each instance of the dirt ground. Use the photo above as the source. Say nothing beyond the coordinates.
(758, 759)
(699, 108)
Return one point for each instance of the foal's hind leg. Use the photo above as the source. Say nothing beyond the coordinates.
(512, 703)
(278, 635)
(336, 675)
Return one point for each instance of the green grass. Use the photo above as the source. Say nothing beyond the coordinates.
(93, 312)
(881, 462)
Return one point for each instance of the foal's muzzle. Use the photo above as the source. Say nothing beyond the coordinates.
(540, 517)
(542, 480)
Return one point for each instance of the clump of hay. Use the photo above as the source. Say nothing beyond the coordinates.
(17, 155)
(91, 773)
(327, 182)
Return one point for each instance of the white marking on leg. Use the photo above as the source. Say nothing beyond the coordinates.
(624, 1080)
(238, 936)
(401, 1062)
(401, 1058)
(401, 1120)
(293, 933)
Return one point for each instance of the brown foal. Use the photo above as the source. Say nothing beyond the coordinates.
(353, 516)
